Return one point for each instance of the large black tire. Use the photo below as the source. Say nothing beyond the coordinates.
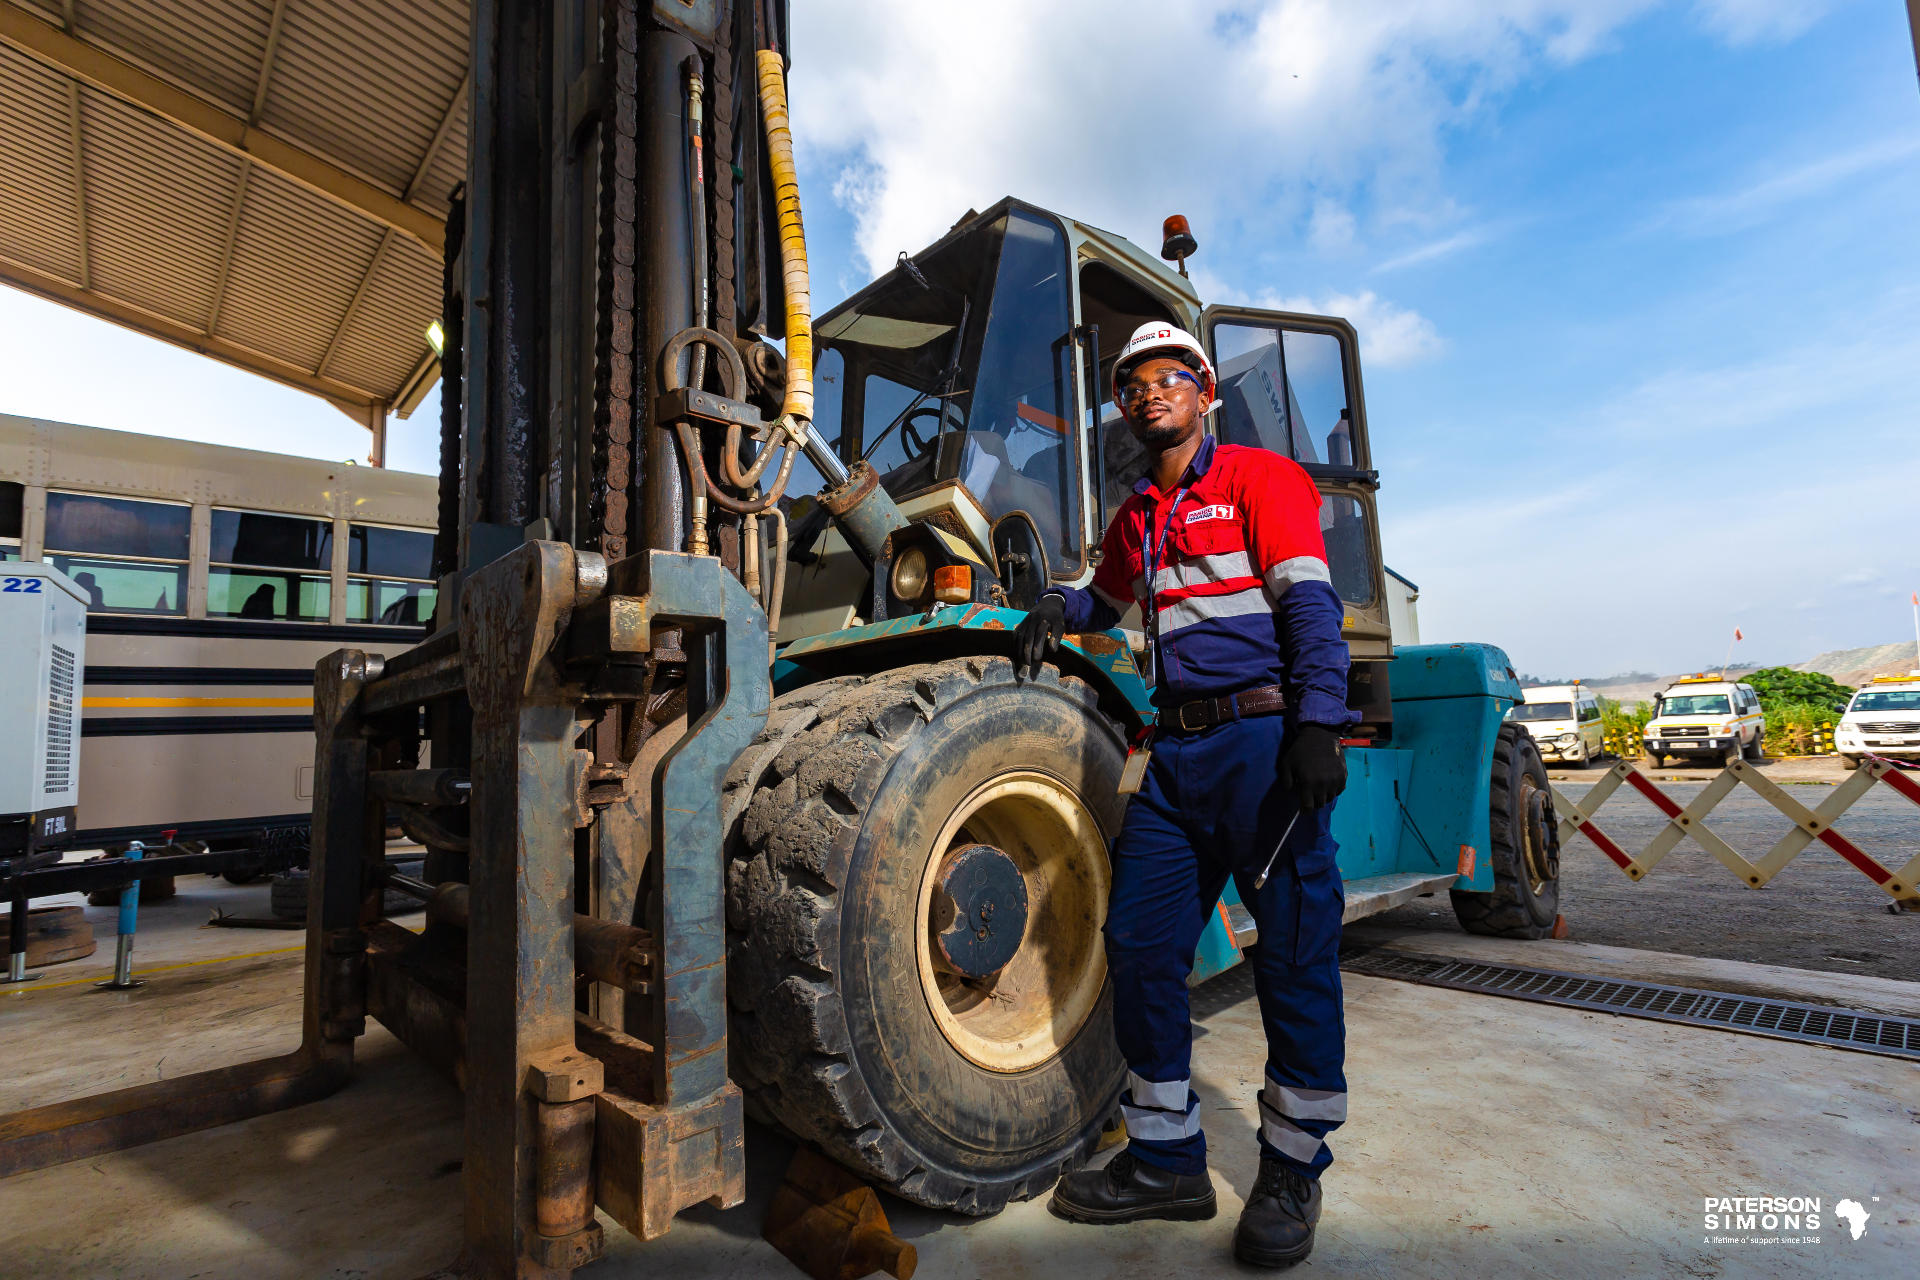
(833, 816)
(1525, 837)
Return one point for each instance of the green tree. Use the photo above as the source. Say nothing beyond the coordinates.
(1785, 686)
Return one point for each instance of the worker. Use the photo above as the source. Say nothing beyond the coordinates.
(1220, 547)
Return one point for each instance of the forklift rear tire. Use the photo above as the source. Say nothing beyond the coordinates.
(851, 1027)
(1525, 837)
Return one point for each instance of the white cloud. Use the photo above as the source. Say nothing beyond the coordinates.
(1735, 210)
(1390, 336)
(1248, 118)
(1749, 21)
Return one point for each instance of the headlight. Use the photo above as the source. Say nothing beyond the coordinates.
(1567, 739)
(910, 574)
(1848, 726)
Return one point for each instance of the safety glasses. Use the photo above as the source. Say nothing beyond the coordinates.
(1136, 391)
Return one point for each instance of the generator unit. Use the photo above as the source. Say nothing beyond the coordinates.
(43, 635)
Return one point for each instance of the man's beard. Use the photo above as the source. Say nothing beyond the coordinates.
(1161, 438)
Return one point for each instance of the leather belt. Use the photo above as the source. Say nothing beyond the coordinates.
(1191, 717)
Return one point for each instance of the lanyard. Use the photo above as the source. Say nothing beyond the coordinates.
(1154, 549)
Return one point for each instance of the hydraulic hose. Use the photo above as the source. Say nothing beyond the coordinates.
(793, 237)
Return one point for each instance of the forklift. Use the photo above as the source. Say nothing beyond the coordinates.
(733, 806)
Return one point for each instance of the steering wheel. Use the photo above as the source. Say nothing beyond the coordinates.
(911, 438)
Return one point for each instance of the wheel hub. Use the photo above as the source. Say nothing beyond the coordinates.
(981, 915)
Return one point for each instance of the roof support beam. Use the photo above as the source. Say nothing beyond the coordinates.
(46, 42)
(265, 78)
(65, 292)
(353, 306)
(225, 269)
(266, 62)
(77, 160)
(420, 172)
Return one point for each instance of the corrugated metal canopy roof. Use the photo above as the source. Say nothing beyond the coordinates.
(263, 181)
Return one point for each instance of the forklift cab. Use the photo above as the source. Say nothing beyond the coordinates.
(974, 377)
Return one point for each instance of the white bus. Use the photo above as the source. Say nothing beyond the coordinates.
(217, 578)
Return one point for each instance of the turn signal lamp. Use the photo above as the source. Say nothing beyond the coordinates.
(953, 584)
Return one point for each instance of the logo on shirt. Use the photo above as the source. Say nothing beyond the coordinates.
(1219, 512)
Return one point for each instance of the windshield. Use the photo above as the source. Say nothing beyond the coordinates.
(1886, 700)
(959, 366)
(1542, 711)
(1695, 704)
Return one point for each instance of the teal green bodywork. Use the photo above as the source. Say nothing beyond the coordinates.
(1411, 804)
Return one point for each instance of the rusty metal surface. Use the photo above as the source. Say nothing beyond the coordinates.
(832, 1226)
(655, 1161)
(728, 696)
(563, 1166)
(520, 897)
(45, 1136)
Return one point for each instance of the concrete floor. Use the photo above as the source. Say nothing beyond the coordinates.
(1488, 1137)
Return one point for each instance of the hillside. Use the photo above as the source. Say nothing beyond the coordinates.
(1856, 666)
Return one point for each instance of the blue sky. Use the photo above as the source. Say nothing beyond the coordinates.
(1636, 282)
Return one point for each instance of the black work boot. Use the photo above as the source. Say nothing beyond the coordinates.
(1128, 1190)
(1276, 1226)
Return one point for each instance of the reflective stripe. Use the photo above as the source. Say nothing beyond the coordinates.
(1304, 1104)
(1149, 1125)
(1241, 604)
(1299, 569)
(1120, 605)
(1285, 1136)
(1204, 569)
(1167, 1095)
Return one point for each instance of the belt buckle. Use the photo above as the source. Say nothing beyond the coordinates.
(1191, 728)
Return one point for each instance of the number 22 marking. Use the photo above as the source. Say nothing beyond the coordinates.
(26, 586)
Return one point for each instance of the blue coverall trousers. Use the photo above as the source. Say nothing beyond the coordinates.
(1211, 807)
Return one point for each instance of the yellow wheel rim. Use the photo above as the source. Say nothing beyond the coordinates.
(1033, 1007)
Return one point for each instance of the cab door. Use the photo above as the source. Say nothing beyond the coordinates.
(1290, 383)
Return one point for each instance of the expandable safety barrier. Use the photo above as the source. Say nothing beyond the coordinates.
(1809, 824)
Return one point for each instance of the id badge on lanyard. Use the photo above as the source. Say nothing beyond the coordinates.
(1140, 751)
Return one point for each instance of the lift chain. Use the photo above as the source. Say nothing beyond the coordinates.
(615, 315)
(724, 316)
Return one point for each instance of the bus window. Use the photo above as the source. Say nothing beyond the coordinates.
(128, 556)
(13, 497)
(390, 575)
(257, 563)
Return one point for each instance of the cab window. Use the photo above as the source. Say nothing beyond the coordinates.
(1284, 390)
(961, 369)
(1343, 527)
(128, 556)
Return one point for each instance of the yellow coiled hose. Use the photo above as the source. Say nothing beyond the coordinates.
(793, 239)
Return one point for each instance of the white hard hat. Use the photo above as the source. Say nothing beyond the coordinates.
(1160, 336)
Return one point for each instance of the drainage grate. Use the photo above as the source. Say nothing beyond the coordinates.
(1784, 1019)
